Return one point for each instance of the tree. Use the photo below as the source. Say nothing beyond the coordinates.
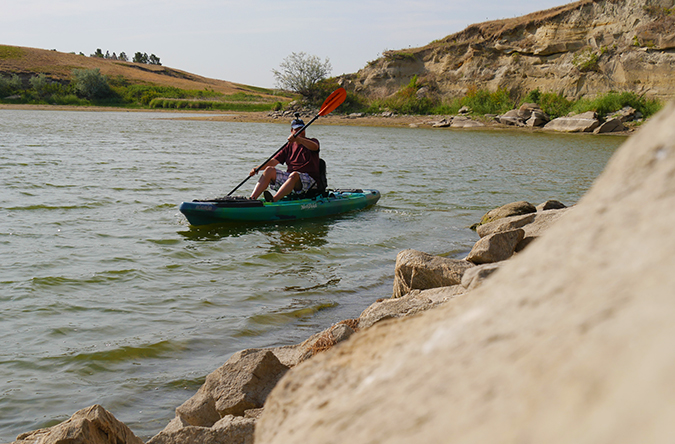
(123, 56)
(98, 54)
(154, 60)
(140, 57)
(300, 73)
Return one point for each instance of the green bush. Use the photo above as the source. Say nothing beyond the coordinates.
(10, 85)
(614, 101)
(90, 84)
(482, 101)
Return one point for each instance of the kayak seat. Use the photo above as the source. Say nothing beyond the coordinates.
(318, 189)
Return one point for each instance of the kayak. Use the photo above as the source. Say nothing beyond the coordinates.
(242, 209)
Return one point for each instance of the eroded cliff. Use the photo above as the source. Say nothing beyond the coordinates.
(580, 49)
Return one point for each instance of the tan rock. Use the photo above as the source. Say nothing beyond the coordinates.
(416, 270)
(242, 383)
(228, 430)
(414, 302)
(474, 277)
(91, 425)
(496, 247)
(508, 210)
(505, 224)
(571, 341)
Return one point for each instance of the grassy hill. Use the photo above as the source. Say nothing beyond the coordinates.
(58, 67)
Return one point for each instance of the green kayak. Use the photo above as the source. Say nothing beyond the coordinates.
(240, 209)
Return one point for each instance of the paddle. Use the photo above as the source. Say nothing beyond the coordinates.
(333, 101)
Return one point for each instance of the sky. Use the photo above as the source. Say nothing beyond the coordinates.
(243, 41)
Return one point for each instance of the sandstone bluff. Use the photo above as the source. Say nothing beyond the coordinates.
(579, 49)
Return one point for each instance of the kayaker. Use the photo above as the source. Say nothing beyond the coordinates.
(301, 156)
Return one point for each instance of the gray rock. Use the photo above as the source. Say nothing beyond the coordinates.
(551, 205)
(580, 123)
(512, 117)
(610, 126)
(537, 118)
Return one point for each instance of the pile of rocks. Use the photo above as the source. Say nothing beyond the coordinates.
(531, 115)
(503, 232)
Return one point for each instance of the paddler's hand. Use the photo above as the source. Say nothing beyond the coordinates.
(253, 172)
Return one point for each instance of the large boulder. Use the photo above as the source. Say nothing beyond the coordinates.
(610, 126)
(241, 384)
(580, 123)
(91, 425)
(416, 270)
(496, 247)
(570, 341)
(508, 210)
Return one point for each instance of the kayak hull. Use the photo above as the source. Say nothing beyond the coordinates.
(337, 202)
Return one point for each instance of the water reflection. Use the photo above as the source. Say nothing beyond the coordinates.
(284, 237)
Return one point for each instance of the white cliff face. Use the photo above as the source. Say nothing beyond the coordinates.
(583, 48)
(570, 341)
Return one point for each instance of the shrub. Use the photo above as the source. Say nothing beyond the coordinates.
(10, 85)
(482, 101)
(90, 84)
(614, 101)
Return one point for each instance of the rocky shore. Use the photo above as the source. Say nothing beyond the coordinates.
(556, 327)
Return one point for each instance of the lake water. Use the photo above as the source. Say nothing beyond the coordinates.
(108, 296)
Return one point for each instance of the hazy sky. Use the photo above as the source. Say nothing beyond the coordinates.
(242, 41)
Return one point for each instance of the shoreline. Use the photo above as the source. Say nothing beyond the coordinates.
(394, 121)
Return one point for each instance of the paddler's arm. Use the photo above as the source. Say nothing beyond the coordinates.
(270, 163)
(302, 140)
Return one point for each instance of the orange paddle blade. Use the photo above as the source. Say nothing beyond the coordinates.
(333, 101)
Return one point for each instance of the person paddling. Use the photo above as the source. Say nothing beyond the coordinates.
(301, 156)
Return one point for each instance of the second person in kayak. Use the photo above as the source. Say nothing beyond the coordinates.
(301, 156)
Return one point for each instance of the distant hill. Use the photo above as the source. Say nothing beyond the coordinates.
(584, 48)
(27, 62)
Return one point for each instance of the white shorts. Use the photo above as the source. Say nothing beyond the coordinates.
(282, 177)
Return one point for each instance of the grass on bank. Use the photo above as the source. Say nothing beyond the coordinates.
(88, 87)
